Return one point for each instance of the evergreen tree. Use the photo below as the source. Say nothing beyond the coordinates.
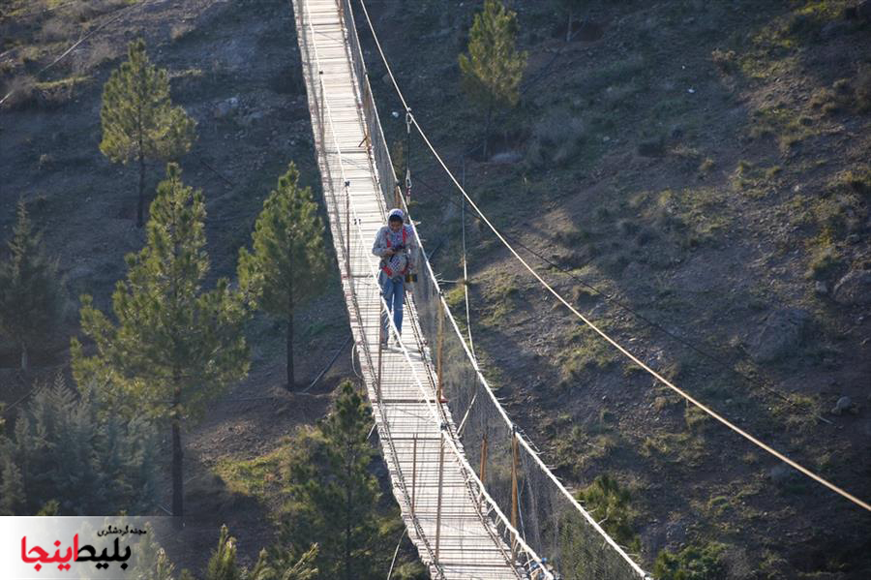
(31, 295)
(222, 565)
(175, 346)
(335, 496)
(152, 562)
(138, 118)
(493, 68)
(11, 486)
(63, 449)
(289, 261)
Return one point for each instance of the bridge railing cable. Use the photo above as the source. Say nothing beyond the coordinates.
(364, 289)
(552, 521)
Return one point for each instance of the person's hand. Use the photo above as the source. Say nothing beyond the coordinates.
(389, 252)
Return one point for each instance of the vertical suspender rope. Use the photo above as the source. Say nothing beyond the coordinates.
(514, 505)
(465, 268)
(407, 155)
(438, 529)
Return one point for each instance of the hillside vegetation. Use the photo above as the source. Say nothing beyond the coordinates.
(695, 176)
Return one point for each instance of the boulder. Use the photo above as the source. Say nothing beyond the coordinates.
(854, 288)
(782, 473)
(227, 108)
(843, 404)
(781, 333)
(507, 157)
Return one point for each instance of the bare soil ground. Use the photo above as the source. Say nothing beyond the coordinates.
(696, 171)
(692, 175)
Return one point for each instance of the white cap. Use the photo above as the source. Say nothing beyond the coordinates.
(395, 212)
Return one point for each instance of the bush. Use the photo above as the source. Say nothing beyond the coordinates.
(609, 502)
(863, 88)
(725, 60)
(98, 53)
(825, 263)
(555, 140)
(22, 92)
(56, 29)
(695, 562)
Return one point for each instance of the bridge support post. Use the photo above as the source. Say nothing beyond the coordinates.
(380, 353)
(440, 351)
(413, 475)
(348, 229)
(441, 481)
(482, 473)
(514, 506)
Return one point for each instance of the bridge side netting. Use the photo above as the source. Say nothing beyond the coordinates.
(547, 517)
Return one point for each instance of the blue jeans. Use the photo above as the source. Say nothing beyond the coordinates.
(393, 291)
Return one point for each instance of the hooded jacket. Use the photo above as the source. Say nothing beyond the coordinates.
(401, 262)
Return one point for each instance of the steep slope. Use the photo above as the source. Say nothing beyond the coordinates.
(706, 165)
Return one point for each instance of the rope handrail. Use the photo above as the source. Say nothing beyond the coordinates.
(522, 440)
(425, 398)
(319, 82)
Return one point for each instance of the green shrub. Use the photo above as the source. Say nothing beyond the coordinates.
(610, 504)
(726, 61)
(826, 262)
(695, 562)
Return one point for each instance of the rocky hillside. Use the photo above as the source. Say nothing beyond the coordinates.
(695, 176)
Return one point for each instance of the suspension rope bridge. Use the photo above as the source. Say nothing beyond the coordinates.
(455, 514)
(508, 517)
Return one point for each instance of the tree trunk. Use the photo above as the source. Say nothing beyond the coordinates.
(569, 28)
(348, 511)
(290, 373)
(24, 358)
(487, 129)
(139, 210)
(177, 478)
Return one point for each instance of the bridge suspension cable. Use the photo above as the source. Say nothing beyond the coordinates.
(689, 398)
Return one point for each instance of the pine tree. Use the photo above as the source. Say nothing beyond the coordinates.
(289, 260)
(11, 486)
(493, 68)
(138, 118)
(175, 346)
(222, 564)
(63, 449)
(335, 495)
(31, 295)
(152, 563)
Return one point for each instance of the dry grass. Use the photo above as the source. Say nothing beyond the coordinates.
(22, 92)
(94, 56)
(56, 29)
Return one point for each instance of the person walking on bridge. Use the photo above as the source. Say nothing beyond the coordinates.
(396, 246)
